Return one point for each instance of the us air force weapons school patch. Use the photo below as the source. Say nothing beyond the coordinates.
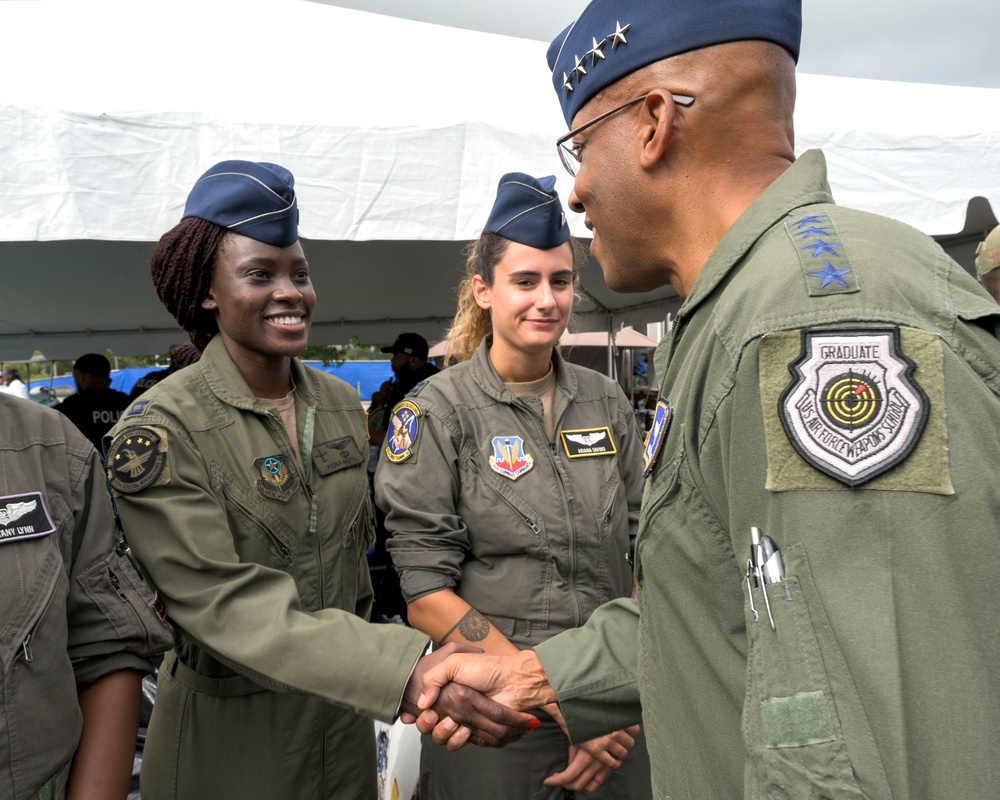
(853, 409)
(24, 516)
(136, 459)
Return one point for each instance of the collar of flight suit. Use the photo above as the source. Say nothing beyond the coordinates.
(803, 183)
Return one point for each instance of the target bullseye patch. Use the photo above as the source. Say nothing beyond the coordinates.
(853, 409)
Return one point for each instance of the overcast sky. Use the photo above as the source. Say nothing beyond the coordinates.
(924, 41)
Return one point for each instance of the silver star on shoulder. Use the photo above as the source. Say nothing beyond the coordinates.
(580, 69)
(618, 37)
(595, 52)
(567, 83)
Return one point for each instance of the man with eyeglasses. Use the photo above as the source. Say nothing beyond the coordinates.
(817, 556)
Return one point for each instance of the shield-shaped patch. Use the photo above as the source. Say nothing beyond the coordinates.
(853, 409)
(509, 458)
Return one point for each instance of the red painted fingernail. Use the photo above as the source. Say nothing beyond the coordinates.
(535, 722)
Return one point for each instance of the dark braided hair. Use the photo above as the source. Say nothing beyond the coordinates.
(182, 268)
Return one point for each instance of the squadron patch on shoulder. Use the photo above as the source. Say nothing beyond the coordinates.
(853, 409)
(276, 481)
(335, 455)
(136, 459)
(657, 433)
(509, 458)
(24, 516)
(403, 431)
(588, 442)
(824, 260)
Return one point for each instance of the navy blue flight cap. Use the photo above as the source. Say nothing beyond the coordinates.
(247, 197)
(527, 210)
(613, 38)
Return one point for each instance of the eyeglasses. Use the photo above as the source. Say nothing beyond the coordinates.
(569, 153)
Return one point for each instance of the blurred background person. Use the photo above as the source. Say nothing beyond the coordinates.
(96, 406)
(11, 383)
(511, 484)
(182, 355)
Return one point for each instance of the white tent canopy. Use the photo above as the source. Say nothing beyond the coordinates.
(396, 131)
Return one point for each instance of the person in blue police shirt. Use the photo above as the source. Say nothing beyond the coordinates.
(511, 484)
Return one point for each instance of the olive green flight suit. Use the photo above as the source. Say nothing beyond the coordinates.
(274, 671)
(72, 607)
(533, 534)
(881, 678)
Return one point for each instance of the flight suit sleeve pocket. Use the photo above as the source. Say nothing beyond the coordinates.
(806, 732)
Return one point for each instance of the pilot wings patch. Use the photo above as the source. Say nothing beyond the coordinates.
(588, 442)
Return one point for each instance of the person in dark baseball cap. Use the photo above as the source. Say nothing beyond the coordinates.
(95, 407)
(828, 406)
(410, 344)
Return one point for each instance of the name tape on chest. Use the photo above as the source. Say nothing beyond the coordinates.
(404, 428)
(336, 454)
(136, 459)
(588, 442)
(24, 516)
(853, 409)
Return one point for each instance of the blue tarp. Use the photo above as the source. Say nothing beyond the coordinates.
(365, 376)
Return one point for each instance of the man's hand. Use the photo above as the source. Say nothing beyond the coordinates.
(458, 714)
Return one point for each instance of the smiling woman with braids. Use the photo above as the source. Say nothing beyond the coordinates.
(512, 490)
(242, 487)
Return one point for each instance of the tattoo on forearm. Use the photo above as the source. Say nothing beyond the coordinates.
(473, 627)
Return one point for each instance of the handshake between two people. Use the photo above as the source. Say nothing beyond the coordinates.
(460, 695)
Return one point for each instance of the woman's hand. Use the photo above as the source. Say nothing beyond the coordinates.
(593, 761)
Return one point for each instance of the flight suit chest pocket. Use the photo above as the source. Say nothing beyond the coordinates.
(806, 732)
(260, 535)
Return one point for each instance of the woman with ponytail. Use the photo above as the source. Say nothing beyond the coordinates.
(511, 483)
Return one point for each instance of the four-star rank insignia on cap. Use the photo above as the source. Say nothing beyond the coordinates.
(136, 459)
(853, 409)
(509, 458)
(275, 480)
(404, 428)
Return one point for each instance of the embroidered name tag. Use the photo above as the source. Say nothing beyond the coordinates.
(24, 516)
(853, 409)
(335, 455)
(588, 442)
